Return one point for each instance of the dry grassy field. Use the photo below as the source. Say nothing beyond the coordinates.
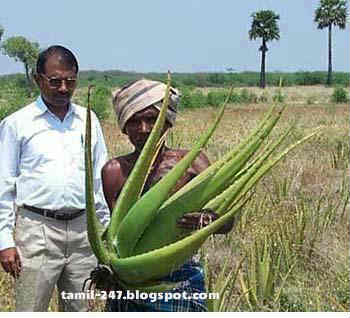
(289, 251)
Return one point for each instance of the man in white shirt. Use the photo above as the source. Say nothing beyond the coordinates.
(42, 172)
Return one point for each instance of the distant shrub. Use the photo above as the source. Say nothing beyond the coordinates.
(217, 78)
(247, 97)
(341, 78)
(310, 78)
(192, 98)
(198, 99)
(5, 111)
(311, 100)
(278, 97)
(185, 99)
(12, 106)
(215, 99)
(235, 98)
(339, 95)
(189, 81)
(263, 98)
(15, 97)
(100, 101)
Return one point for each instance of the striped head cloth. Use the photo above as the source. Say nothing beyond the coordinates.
(141, 94)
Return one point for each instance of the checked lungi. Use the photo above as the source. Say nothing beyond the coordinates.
(191, 280)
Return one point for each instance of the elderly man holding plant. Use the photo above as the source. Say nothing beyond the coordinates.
(137, 107)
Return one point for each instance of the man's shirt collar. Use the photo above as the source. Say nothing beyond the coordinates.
(41, 108)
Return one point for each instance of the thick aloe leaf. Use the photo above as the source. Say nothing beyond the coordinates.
(159, 263)
(94, 227)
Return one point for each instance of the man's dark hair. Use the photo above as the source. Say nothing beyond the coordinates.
(67, 56)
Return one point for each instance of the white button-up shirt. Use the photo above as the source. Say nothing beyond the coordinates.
(42, 163)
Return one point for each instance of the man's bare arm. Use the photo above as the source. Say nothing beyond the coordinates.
(112, 181)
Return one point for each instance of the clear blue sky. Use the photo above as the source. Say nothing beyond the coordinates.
(181, 35)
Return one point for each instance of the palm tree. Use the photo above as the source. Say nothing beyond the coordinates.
(329, 13)
(264, 26)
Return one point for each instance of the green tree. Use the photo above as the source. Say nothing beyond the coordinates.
(19, 48)
(331, 13)
(264, 26)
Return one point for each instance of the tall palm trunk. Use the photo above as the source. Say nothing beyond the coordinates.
(329, 77)
(263, 50)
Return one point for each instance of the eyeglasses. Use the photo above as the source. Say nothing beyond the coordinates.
(57, 82)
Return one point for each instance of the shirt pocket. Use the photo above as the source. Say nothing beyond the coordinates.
(74, 145)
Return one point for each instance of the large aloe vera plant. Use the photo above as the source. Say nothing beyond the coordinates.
(142, 243)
